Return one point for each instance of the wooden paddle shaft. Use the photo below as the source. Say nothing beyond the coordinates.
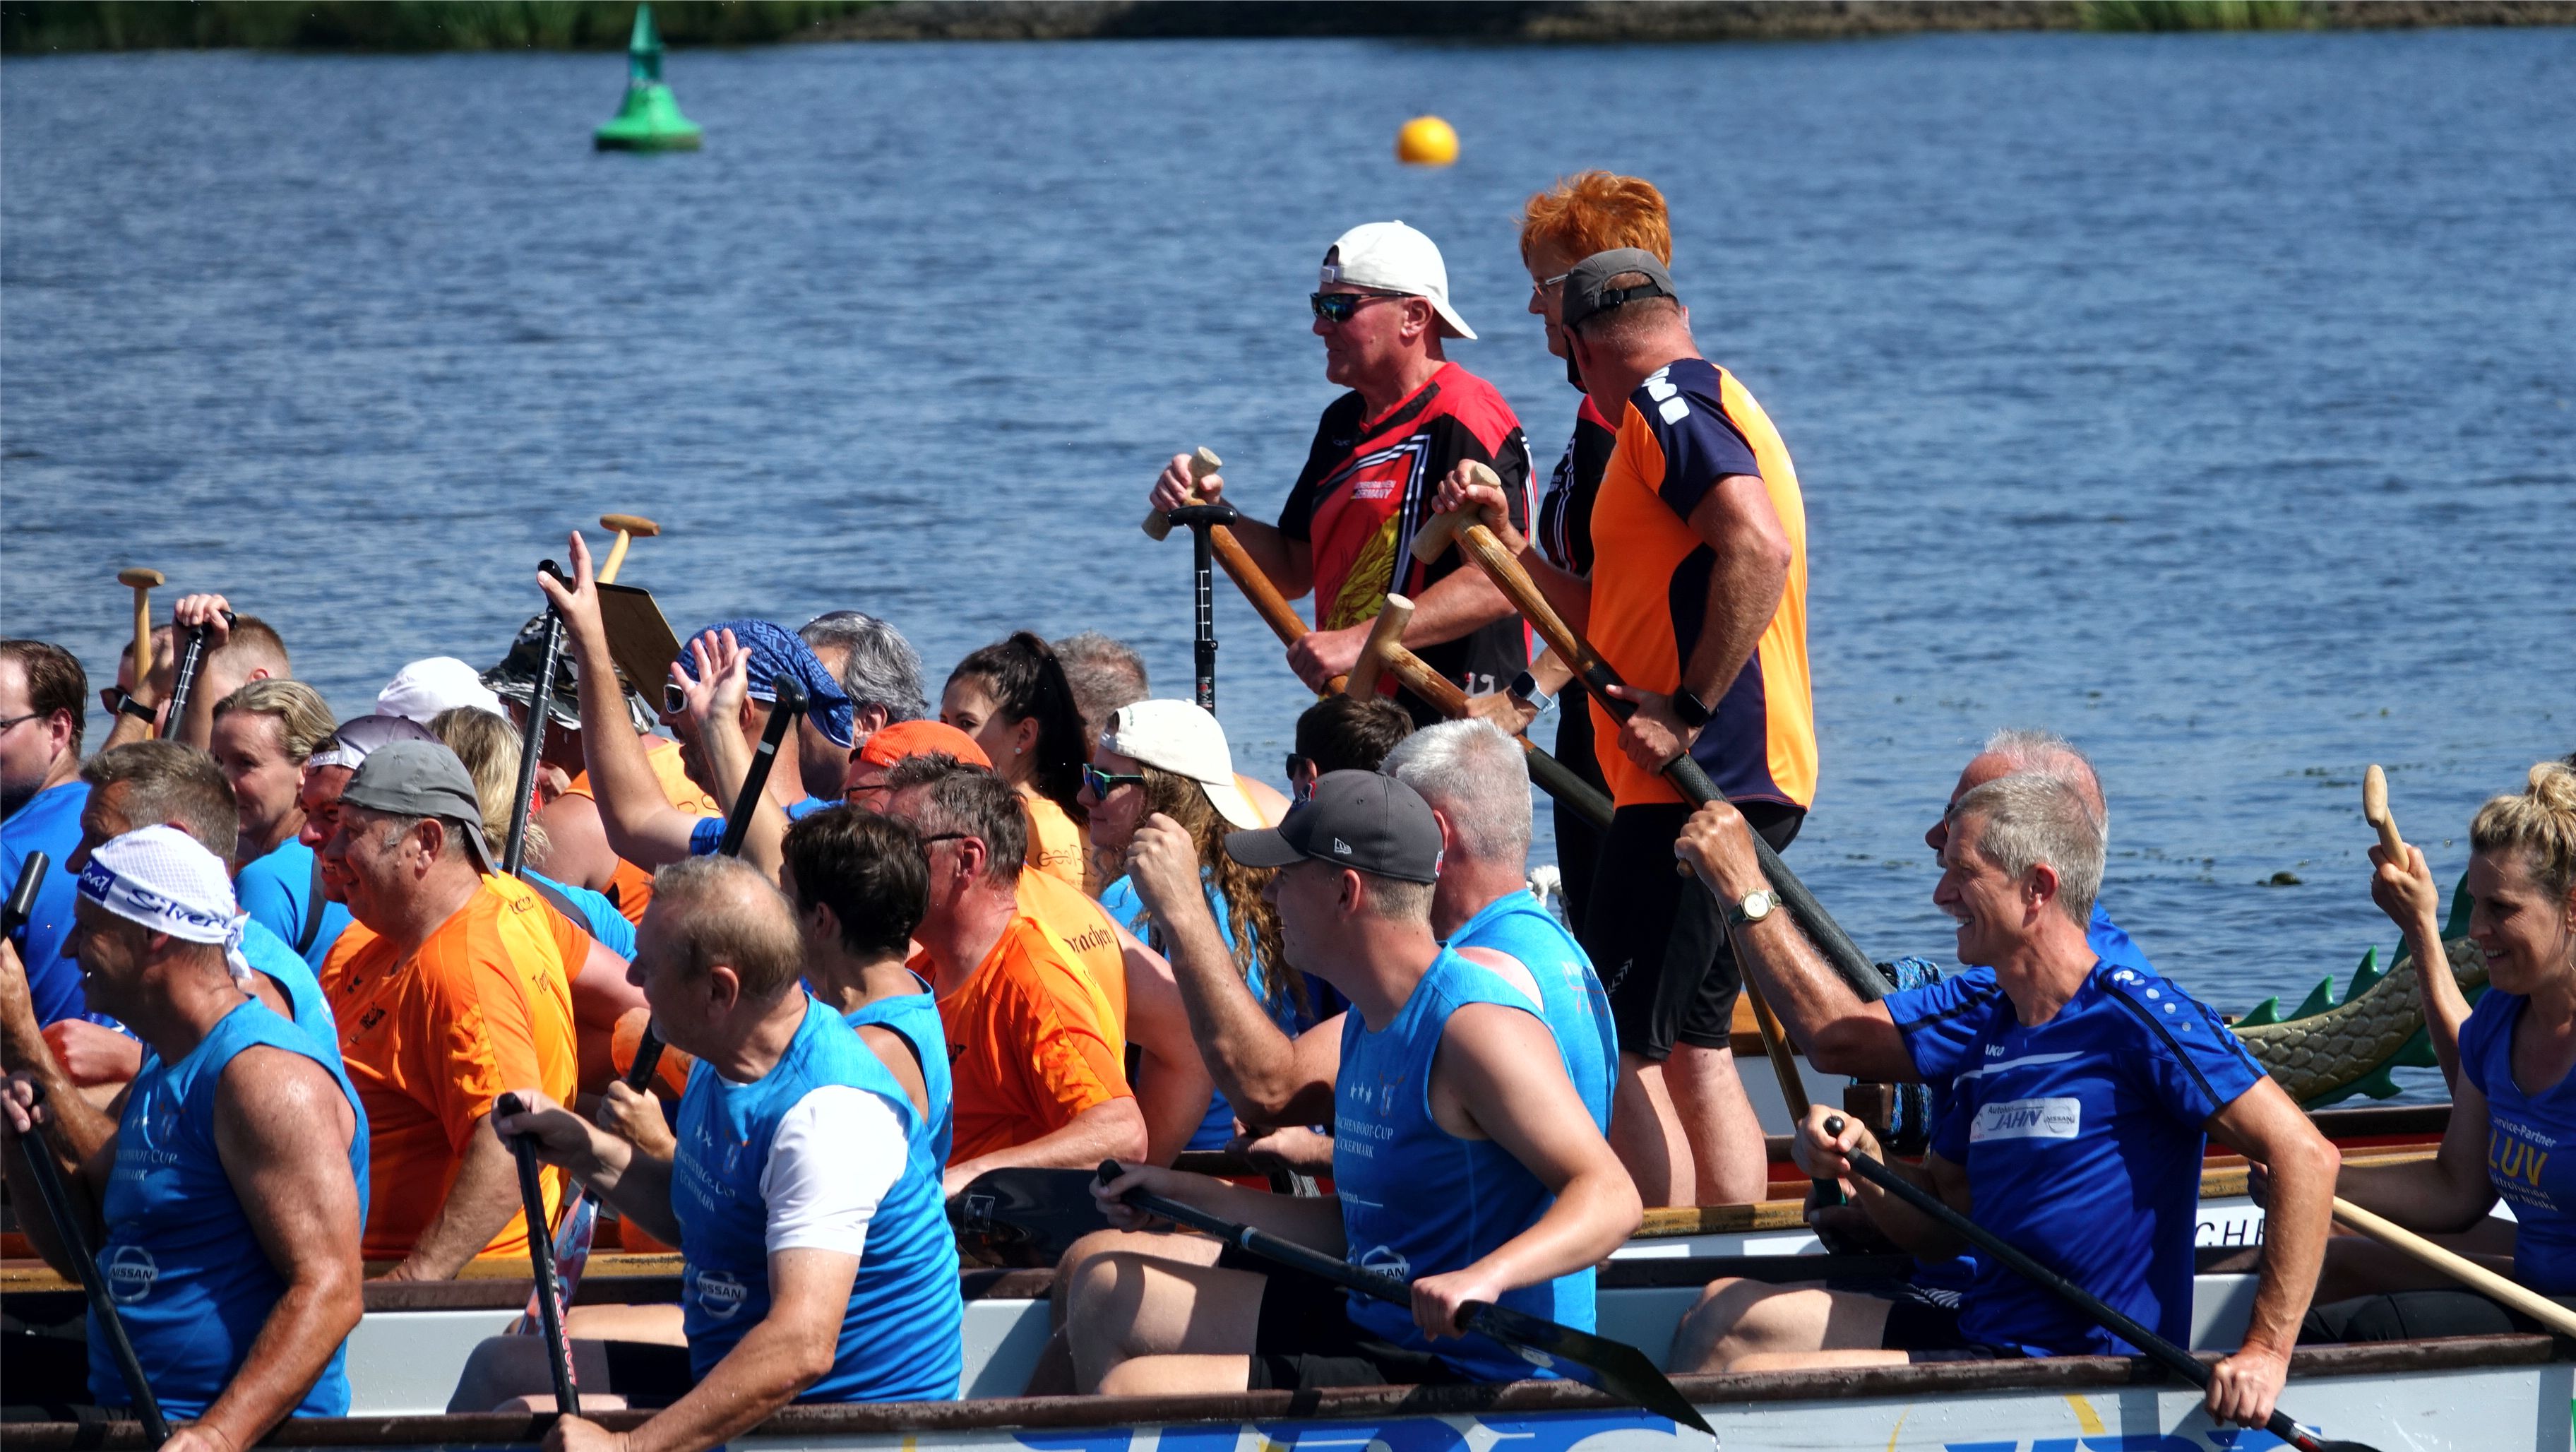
(1386, 633)
(1267, 602)
(1445, 696)
(142, 581)
(629, 528)
(2458, 1267)
(2374, 810)
(1775, 1045)
(1202, 464)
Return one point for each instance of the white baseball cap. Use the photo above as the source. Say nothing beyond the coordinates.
(1182, 738)
(1392, 257)
(424, 688)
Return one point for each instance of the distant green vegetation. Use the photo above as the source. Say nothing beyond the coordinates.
(35, 26)
(2203, 15)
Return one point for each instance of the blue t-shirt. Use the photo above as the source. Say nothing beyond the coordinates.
(189, 1277)
(598, 915)
(277, 891)
(1570, 996)
(1127, 909)
(2523, 1133)
(48, 823)
(1417, 1200)
(708, 834)
(2082, 1141)
(899, 1337)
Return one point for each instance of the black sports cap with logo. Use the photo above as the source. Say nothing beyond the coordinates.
(1588, 292)
(1355, 819)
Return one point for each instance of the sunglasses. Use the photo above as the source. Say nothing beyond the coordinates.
(1338, 307)
(1102, 783)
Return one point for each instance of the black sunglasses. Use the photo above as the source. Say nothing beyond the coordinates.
(1337, 307)
(1102, 783)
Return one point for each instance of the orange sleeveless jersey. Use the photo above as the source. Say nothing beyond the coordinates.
(1686, 427)
(484, 1005)
(631, 887)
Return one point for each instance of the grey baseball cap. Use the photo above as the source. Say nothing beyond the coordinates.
(422, 779)
(1355, 819)
(1587, 287)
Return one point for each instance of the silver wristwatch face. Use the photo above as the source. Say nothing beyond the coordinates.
(1757, 905)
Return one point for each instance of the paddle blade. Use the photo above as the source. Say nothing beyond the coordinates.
(1614, 1366)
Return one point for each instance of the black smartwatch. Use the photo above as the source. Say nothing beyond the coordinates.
(1524, 689)
(1690, 710)
(126, 705)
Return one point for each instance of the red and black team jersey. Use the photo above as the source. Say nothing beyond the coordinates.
(1367, 486)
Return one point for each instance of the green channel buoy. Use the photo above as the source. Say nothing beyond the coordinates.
(649, 119)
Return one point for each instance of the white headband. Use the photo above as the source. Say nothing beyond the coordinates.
(164, 879)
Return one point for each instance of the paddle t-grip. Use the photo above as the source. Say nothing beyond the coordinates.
(1386, 632)
(21, 904)
(2374, 810)
(628, 528)
(142, 582)
(1157, 526)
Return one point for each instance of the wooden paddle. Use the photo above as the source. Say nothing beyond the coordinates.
(1386, 633)
(629, 527)
(143, 582)
(1478, 543)
(2174, 1359)
(2374, 810)
(1614, 1366)
(541, 1261)
(2460, 1268)
(1202, 464)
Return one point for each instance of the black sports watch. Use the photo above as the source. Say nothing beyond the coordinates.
(126, 705)
(1524, 689)
(1689, 709)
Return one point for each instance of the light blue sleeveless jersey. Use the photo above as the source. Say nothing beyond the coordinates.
(285, 967)
(1570, 997)
(1417, 1200)
(900, 1338)
(916, 1017)
(189, 1278)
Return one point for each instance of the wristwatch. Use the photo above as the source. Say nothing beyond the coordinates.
(1524, 689)
(1689, 709)
(1754, 908)
(126, 705)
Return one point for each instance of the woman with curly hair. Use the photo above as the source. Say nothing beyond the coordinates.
(1171, 757)
(1012, 697)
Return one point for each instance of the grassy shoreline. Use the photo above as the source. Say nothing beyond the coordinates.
(32, 27)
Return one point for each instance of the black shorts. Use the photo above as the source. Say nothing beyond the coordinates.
(2410, 1316)
(1306, 1339)
(1925, 1326)
(649, 1374)
(1658, 938)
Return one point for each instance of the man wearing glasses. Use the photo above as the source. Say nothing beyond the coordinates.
(1382, 309)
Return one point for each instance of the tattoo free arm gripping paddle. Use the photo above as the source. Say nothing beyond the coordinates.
(1613, 1366)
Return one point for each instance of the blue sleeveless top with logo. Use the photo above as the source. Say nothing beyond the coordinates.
(900, 1338)
(1417, 1200)
(916, 1017)
(1570, 997)
(187, 1273)
(2524, 1132)
(285, 967)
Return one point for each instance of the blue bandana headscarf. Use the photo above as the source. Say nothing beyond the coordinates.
(775, 651)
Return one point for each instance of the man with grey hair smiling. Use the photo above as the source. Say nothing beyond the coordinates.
(2080, 1095)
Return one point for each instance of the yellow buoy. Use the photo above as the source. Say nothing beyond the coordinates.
(1426, 141)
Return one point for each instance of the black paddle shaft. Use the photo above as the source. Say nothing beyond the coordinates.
(541, 1261)
(1200, 518)
(1614, 1366)
(69, 1230)
(183, 680)
(541, 701)
(21, 904)
(783, 711)
(2180, 1362)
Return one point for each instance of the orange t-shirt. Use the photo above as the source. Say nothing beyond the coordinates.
(484, 1005)
(1083, 927)
(1056, 842)
(630, 886)
(1026, 1048)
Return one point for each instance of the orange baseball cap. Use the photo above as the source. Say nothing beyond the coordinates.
(907, 739)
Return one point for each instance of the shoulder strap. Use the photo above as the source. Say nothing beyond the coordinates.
(561, 902)
(313, 905)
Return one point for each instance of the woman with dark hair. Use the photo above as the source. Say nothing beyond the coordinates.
(1012, 697)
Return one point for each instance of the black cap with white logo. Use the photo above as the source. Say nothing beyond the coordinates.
(1355, 819)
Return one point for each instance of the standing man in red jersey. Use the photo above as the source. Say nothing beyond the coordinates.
(1380, 451)
(1698, 600)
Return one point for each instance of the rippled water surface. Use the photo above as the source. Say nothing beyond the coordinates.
(2206, 398)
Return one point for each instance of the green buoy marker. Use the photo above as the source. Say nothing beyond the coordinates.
(649, 119)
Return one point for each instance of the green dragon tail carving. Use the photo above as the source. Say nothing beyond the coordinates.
(2323, 1051)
